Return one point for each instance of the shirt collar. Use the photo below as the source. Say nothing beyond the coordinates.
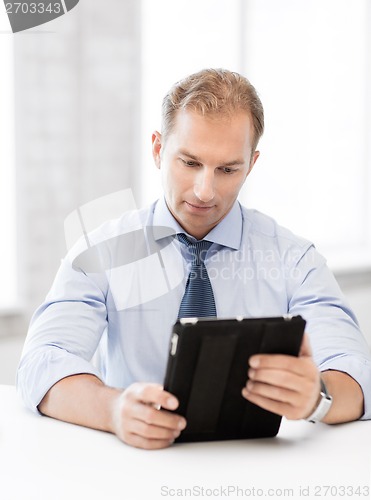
(227, 233)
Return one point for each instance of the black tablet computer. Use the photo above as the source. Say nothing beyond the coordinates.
(207, 369)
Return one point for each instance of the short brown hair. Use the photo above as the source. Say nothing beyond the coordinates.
(213, 92)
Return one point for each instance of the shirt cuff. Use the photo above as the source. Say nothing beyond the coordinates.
(40, 371)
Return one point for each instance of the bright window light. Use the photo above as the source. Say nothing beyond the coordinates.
(310, 62)
(178, 38)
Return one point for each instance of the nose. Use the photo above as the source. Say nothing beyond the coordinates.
(204, 185)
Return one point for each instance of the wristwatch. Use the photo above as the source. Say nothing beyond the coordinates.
(323, 406)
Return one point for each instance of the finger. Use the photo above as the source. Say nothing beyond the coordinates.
(155, 395)
(282, 362)
(305, 349)
(280, 408)
(159, 418)
(298, 403)
(151, 431)
(274, 360)
(271, 392)
(283, 402)
(279, 378)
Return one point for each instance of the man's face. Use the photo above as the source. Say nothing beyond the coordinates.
(204, 163)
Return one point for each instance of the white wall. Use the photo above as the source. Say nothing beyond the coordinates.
(77, 126)
(357, 290)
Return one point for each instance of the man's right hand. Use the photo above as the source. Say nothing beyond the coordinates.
(132, 414)
(138, 422)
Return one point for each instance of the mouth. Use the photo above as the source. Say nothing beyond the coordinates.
(199, 207)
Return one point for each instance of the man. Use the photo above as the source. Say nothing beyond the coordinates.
(212, 122)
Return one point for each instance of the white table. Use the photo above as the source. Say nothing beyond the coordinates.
(42, 458)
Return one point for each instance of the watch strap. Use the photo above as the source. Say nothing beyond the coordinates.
(323, 406)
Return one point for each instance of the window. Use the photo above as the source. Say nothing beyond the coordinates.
(8, 287)
(310, 64)
(178, 38)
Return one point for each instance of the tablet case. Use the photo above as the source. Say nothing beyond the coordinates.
(207, 369)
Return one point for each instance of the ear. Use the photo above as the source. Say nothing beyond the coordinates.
(156, 148)
(255, 156)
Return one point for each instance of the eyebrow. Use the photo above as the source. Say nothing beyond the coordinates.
(225, 164)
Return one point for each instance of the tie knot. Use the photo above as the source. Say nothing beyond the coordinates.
(197, 248)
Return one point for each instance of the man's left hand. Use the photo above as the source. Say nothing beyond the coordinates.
(286, 385)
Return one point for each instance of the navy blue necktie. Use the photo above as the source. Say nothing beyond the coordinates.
(198, 300)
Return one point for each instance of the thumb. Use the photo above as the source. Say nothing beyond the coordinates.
(305, 349)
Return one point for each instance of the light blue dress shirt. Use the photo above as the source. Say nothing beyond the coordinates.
(113, 302)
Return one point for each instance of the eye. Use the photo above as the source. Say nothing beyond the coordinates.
(190, 163)
(228, 170)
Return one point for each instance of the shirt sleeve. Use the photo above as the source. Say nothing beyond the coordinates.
(336, 340)
(64, 333)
